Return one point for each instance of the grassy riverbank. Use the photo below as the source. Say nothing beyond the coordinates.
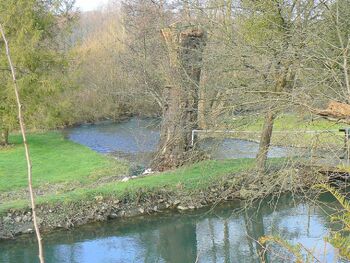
(64, 171)
(55, 161)
(286, 122)
(189, 187)
(290, 130)
(74, 185)
(187, 179)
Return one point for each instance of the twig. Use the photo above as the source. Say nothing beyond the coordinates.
(26, 147)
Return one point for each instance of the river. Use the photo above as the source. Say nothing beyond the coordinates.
(136, 140)
(215, 235)
(209, 235)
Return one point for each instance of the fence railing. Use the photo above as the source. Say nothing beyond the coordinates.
(331, 141)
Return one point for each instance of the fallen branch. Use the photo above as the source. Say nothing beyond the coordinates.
(336, 110)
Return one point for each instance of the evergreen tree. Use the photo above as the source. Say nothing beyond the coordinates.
(34, 30)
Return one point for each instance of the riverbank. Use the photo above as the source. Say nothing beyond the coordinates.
(56, 161)
(185, 188)
(76, 186)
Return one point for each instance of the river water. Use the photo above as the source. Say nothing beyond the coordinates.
(136, 139)
(210, 235)
(215, 235)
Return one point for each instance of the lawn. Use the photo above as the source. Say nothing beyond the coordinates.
(55, 160)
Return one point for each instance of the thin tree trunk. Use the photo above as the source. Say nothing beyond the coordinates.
(4, 137)
(186, 10)
(26, 147)
(227, 242)
(345, 52)
(281, 81)
(265, 142)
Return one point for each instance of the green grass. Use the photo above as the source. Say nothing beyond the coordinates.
(188, 178)
(59, 161)
(289, 130)
(286, 122)
(55, 160)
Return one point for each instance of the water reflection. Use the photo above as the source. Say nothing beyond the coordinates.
(215, 236)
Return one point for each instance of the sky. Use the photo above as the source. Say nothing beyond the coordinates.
(88, 5)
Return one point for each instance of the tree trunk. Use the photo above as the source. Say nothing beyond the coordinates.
(281, 81)
(180, 111)
(265, 142)
(202, 116)
(4, 137)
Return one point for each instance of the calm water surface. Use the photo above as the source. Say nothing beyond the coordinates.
(218, 235)
(132, 136)
(136, 139)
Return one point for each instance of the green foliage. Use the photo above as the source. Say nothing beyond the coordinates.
(31, 27)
